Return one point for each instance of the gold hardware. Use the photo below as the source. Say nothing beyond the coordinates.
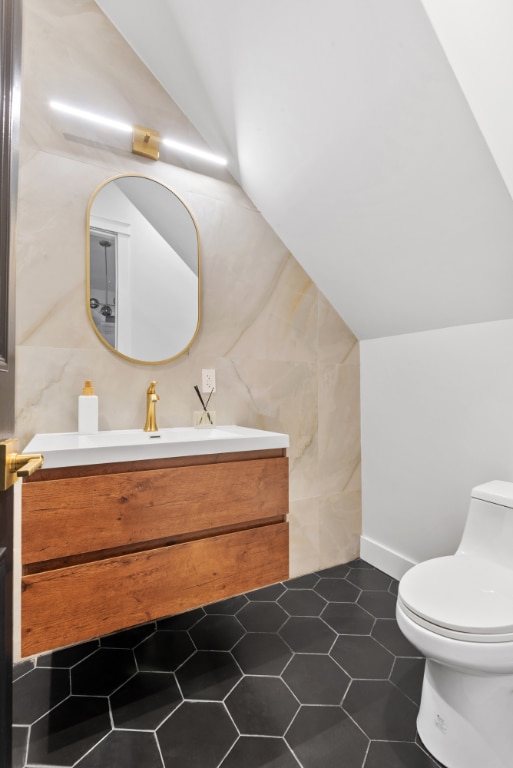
(145, 142)
(151, 405)
(14, 465)
(25, 464)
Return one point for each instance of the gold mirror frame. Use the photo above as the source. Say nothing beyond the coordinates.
(92, 215)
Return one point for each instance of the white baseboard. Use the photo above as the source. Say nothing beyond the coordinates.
(385, 559)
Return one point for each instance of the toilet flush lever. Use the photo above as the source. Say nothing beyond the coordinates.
(14, 465)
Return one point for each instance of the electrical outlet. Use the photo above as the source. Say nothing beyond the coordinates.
(208, 380)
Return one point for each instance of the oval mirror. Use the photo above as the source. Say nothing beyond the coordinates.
(143, 294)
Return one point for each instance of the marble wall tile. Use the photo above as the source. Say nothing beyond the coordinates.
(51, 239)
(285, 326)
(284, 359)
(338, 425)
(339, 527)
(282, 396)
(336, 342)
(305, 554)
(241, 263)
(73, 54)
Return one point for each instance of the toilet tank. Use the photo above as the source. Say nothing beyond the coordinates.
(488, 529)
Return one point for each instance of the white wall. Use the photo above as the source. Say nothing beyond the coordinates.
(437, 419)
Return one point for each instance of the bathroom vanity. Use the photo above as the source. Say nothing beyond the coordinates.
(110, 541)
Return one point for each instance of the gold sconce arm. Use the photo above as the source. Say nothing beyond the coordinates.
(14, 465)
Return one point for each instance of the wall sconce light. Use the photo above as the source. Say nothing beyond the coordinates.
(145, 141)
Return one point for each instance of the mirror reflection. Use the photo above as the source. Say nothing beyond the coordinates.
(143, 269)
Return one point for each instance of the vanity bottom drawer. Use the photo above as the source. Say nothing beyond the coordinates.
(80, 602)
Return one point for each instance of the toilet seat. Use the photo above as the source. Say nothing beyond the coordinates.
(460, 596)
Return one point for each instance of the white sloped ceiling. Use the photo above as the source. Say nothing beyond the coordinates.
(346, 126)
(476, 37)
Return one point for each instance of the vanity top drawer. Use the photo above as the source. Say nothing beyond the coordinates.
(76, 515)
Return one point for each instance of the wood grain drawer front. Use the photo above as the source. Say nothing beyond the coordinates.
(86, 514)
(73, 604)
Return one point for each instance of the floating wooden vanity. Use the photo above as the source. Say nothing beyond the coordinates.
(112, 545)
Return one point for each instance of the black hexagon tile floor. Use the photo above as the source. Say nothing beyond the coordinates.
(302, 674)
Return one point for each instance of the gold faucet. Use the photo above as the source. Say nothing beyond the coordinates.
(151, 406)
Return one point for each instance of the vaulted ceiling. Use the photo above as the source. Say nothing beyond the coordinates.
(359, 140)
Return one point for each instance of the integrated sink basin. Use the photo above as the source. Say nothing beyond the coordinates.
(70, 449)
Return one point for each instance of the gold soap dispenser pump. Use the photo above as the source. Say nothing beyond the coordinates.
(88, 409)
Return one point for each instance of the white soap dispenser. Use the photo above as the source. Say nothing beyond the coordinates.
(88, 409)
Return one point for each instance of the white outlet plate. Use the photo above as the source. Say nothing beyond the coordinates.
(208, 380)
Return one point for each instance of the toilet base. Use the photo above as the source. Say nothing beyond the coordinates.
(466, 719)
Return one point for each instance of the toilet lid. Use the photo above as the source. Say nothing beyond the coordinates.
(461, 592)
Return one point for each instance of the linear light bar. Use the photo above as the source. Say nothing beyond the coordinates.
(186, 149)
(91, 117)
(135, 131)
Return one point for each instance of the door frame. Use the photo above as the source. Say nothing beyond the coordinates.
(10, 86)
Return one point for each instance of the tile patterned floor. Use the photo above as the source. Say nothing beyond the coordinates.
(310, 672)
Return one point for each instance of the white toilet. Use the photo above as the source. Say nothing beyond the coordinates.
(458, 611)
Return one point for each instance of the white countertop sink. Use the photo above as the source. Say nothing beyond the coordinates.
(71, 449)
